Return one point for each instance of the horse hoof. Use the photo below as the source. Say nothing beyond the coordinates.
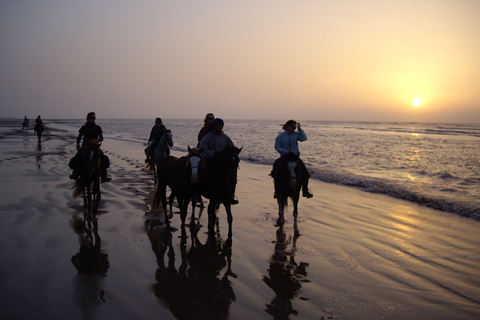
(280, 221)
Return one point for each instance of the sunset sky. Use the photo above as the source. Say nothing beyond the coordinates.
(308, 60)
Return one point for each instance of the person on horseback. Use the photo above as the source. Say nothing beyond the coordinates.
(287, 143)
(207, 122)
(89, 131)
(213, 143)
(155, 135)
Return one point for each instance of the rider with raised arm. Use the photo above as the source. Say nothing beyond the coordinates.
(213, 143)
(287, 143)
(89, 131)
(155, 135)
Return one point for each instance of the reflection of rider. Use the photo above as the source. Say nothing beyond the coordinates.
(284, 277)
(286, 143)
(155, 135)
(90, 131)
(213, 143)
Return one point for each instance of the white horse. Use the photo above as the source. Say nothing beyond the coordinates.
(160, 152)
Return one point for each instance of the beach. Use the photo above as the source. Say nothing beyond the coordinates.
(359, 255)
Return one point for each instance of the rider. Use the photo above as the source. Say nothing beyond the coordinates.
(155, 135)
(287, 143)
(90, 131)
(207, 122)
(213, 143)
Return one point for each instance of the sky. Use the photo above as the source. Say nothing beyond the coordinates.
(343, 60)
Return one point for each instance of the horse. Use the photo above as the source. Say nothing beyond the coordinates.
(182, 175)
(88, 183)
(219, 185)
(288, 182)
(160, 152)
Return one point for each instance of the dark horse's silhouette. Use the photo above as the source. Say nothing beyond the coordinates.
(288, 182)
(218, 185)
(182, 175)
(88, 183)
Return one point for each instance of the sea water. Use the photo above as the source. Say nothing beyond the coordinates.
(436, 165)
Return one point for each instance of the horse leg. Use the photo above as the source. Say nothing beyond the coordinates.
(192, 218)
(296, 197)
(96, 194)
(183, 204)
(228, 209)
(212, 217)
(170, 204)
(281, 201)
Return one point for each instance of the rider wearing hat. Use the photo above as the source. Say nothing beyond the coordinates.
(287, 142)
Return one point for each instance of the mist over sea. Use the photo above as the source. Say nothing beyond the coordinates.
(436, 165)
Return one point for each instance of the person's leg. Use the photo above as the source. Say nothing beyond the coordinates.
(306, 177)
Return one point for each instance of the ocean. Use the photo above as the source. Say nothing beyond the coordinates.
(435, 165)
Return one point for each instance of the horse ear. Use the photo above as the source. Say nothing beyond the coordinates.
(189, 149)
(240, 150)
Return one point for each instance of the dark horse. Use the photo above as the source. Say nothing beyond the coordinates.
(182, 175)
(219, 184)
(88, 184)
(288, 182)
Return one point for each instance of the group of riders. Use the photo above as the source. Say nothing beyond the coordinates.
(211, 139)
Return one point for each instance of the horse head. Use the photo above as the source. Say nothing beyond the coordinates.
(229, 160)
(168, 137)
(196, 162)
(291, 169)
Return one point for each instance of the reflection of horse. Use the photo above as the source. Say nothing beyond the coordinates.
(194, 289)
(285, 276)
(288, 181)
(90, 258)
(182, 176)
(160, 152)
(88, 183)
(219, 185)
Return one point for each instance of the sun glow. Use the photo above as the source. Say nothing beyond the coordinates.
(416, 102)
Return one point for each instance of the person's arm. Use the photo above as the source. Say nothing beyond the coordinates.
(79, 139)
(301, 135)
(204, 143)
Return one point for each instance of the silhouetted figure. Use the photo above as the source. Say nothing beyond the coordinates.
(39, 130)
(25, 123)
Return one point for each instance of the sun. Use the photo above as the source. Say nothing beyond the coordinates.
(416, 102)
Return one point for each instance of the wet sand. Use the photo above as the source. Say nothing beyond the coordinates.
(359, 255)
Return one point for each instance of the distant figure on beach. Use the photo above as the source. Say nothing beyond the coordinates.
(155, 135)
(25, 123)
(39, 120)
(89, 131)
(213, 143)
(38, 129)
(207, 122)
(287, 143)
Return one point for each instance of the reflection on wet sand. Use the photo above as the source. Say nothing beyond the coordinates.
(195, 290)
(91, 263)
(284, 276)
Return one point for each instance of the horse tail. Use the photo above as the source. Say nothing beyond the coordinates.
(150, 166)
(77, 188)
(157, 200)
